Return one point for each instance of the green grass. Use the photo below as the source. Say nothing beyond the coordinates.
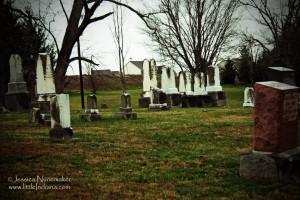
(190, 153)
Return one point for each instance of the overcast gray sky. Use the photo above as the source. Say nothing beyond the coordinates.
(97, 39)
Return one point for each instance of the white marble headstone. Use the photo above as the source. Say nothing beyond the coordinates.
(168, 81)
(182, 83)
(60, 111)
(146, 78)
(248, 97)
(44, 75)
(188, 85)
(173, 89)
(16, 73)
(164, 79)
(154, 73)
(216, 87)
(50, 87)
(199, 86)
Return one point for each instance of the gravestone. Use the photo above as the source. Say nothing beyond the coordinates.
(92, 112)
(158, 100)
(182, 83)
(168, 85)
(44, 77)
(281, 74)
(185, 88)
(213, 79)
(199, 85)
(248, 97)
(153, 76)
(45, 87)
(275, 153)
(165, 79)
(144, 99)
(17, 97)
(125, 108)
(214, 88)
(188, 85)
(276, 112)
(60, 117)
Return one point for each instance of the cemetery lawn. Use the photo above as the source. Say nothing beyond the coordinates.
(184, 153)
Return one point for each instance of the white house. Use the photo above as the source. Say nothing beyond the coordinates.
(134, 68)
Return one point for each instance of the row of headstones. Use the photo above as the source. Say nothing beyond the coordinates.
(49, 108)
(168, 80)
(169, 94)
(276, 140)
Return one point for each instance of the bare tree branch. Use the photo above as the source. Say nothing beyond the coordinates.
(83, 59)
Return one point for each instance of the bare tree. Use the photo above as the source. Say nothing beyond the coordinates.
(192, 33)
(89, 67)
(281, 19)
(118, 33)
(82, 15)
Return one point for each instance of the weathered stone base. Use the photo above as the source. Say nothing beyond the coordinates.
(91, 117)
(248, 105)
(158, 107)
(126, 115)
(283, 165)
(44, 106)
(174, 100)
(34, 116)
(144, 102)
(210, 100)
(3, 109)
(218, 98)
(197, 101)
(45, 119)
(61, 133)
(17, 101)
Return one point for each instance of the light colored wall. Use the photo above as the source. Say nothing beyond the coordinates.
(131, 69)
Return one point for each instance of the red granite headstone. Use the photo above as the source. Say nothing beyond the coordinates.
(275, 116)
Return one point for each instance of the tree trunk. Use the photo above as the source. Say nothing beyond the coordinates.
(68, 43)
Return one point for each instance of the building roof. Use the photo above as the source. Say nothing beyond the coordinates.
(139, 64)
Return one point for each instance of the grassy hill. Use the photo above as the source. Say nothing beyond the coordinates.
(190, 153)
(102, 82)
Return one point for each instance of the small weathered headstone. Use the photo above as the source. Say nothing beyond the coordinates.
(125, 108)
(158, 100)
(35, 115)
(248, 97)
(17, 97)
(60, 117)
(92, 112)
